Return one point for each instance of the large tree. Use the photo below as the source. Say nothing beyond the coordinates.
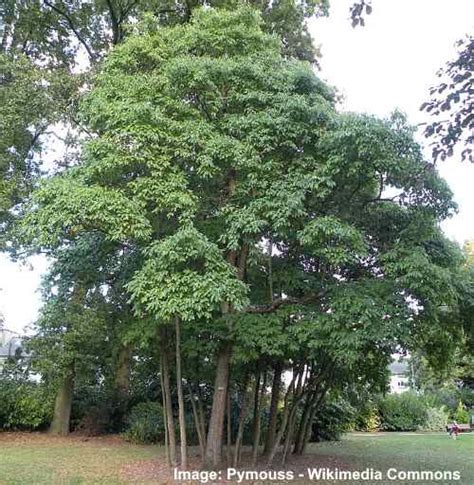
(214, 151)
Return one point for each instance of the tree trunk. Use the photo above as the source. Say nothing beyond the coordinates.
(272, 420)
(163, 396)
(202, 420)
(122, 372)
(284, 422)
(197, 422)
(309, 427)
(308, 430)
(62, 405)
(301, 433)
(258, 419)
(256, 409)
(167, 392)
(287, 414)
(229, 425)
(179, 389)
(122, 382)
(213, 455)
(289, 434)
(243, 415)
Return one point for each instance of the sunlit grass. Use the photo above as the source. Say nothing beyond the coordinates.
(404, 451)
(39, 459)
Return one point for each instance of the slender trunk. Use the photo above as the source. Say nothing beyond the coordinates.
(303, 423)
(308, 430)
(202, 421)
(243, 415)
(62, 406)
(289, 434)
(213, 455)
(272, 420)
(167, 391)
(163, 397)
(258, 427)
(256, 410)
(309, 427)
(229, 425)
(179, 389)
(197, 422)
(279, 435)
(287, 414)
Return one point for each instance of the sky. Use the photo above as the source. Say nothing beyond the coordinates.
(388, 64)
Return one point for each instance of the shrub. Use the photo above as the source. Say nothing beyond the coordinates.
(466, 395)
(145, 423)
(367, 418)
(25, 405)
(461, 415)
(402, 412)
(436, 419)
(332, 420)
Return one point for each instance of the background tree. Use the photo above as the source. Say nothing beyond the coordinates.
(452, 105)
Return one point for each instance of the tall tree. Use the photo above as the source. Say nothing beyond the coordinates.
(210, 143)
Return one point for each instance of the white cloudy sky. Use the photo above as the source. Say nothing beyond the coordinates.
(388, 64)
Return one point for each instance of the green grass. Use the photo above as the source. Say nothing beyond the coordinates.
(42, 460)
(37, 459)
(403, 451)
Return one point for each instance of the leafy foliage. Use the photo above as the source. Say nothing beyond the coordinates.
(145, 424)
(461, 415)
(452, 105)
(222, 189)
(436, 419)
(25, 405)
(402, 412)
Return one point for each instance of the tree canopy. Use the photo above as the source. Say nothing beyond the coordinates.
(269, 226)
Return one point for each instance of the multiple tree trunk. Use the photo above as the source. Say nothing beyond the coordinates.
(305, 392)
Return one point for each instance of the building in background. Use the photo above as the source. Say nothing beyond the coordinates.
(10, 344)
(399, 377)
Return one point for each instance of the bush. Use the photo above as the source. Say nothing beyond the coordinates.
(461, 415)
(332, 420)
(436, 419)
(145, 423)
(367, 418)
(402, 412)
(466, 395)
(25, 405)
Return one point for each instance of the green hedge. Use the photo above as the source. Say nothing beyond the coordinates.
(25, 405)
(402, 412)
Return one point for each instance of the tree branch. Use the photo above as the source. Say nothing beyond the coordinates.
(313, 297)
(115, 23)
(73, 28)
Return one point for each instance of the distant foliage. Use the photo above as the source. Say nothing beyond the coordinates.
(145, 424)
(24, 405)
(402, 412)
(461, 415)
(436, 419)
(367, 418)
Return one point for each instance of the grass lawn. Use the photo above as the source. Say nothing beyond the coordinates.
(404, 451)
(39, 459)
